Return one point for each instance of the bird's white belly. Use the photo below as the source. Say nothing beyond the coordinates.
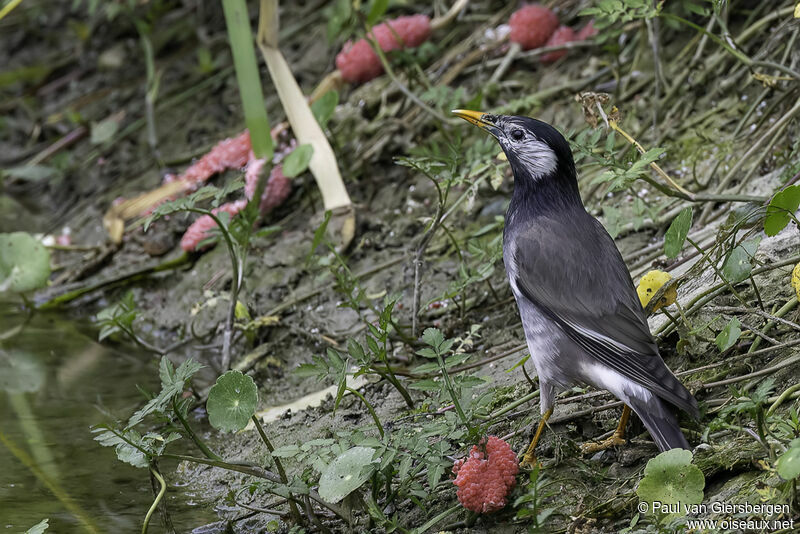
(545, 342)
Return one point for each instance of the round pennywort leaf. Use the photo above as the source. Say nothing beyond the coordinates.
(788, 463)
(20, 372)
(232, 401)
(24, 263)
(671, 478)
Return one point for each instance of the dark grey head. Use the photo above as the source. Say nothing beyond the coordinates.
(538, 154)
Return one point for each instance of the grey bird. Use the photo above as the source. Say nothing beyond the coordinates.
(582, 318)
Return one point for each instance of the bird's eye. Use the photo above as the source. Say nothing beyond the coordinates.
(517, 134)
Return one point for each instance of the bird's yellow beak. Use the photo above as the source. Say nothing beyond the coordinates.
(478, 118)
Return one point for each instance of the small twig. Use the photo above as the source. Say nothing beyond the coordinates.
(420, 251)
(779, 124)
(513, 50)
(684, 193)
(775, 318)
(759, 333)
(400, 85)
(452, 13)
(754, 374)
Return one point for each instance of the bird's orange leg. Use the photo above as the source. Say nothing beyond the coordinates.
(530, 455)
(617, 438)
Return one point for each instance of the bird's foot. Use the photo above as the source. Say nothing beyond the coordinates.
(529, 461)
(614, 440)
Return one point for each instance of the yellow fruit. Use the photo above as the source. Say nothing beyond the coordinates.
(649, 286)
(796, 274)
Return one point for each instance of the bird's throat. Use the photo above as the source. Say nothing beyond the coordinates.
(557, 191)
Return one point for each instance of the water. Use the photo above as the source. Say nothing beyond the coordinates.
(55, 383)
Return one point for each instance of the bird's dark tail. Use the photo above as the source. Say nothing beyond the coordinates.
(659, 419)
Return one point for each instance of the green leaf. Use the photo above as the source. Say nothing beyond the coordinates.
(319, 234)
(356, 351)
(305, 370)
(405, 467)
(297, 160)
(116, 317)
(324, 107)
(122, 443)
(33, 173)
(671, 478)
(24, 263)
(781, 208)
(677, 232)
(317, 443)
(287, 451)
(232, 401)
(426, 384)
(376, 11)
(172, 383)
(427, 353)
(20, 372)
(39, 527)
(340, 392)
(191, 201)
(346, 474)
(788, 464)
(739, 262)
(104, 130)
(435, 472)
(729, 335)
(432, 337)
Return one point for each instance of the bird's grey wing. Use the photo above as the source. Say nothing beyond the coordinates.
(571, 270)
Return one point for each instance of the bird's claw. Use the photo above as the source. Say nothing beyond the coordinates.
(614, 440)
(529, 461)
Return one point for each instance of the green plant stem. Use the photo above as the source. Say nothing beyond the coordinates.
(431, 522)
(157, 500)
(400, 85)
(452, 391)
(391, 377)
(237, 272)
(255, 471)
(139, 274)
(788, 392)
(243, 48)
(371, 410)
(278, 466)
(242, 43)
(151, 92)
(508, 407)
(393, 380)
(194, 437)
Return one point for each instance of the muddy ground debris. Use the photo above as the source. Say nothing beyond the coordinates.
(709, 96)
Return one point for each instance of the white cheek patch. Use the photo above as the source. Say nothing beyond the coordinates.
(536, 155)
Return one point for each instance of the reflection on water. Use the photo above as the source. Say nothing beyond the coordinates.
(55, 383)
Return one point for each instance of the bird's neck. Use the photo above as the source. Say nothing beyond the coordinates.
(541, 195)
